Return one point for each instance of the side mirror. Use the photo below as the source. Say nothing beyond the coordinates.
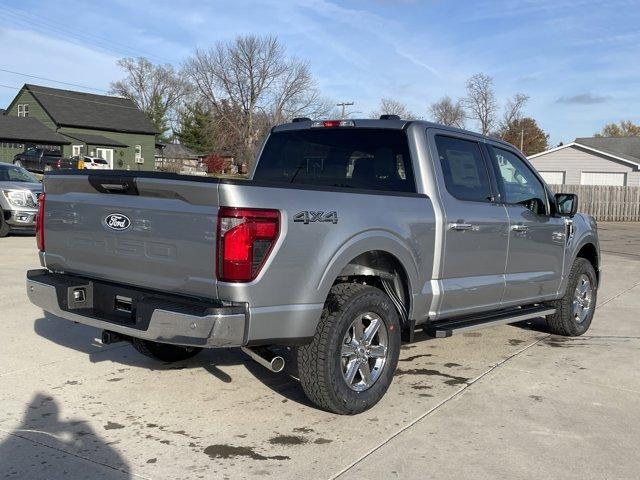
(566, 204)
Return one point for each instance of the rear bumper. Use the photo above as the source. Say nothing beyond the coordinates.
(156, 317)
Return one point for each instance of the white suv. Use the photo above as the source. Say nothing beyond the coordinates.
(95, 163)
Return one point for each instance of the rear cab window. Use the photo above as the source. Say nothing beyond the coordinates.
(358, 158)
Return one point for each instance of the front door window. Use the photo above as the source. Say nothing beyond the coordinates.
(520, 185)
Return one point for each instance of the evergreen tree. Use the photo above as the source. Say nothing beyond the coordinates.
(195, 129)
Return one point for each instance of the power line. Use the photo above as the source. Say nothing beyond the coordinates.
(27, 19)
(52, 80)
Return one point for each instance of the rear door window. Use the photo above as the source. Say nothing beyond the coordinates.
(372, 159)
(464, 169)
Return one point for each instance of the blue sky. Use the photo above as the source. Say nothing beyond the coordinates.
(578, 60)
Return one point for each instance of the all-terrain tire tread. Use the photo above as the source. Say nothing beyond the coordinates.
(561, 322)
(312, 358)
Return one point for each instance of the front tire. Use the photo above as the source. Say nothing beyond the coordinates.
(575, 310)
(4, 226)
(350, 363)
(164, 351)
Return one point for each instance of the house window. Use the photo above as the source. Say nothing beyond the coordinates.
(23, 109)
(138, 152)
(76, 150)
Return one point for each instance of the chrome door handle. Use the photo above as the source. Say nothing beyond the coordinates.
(519, 228)
(460, 226)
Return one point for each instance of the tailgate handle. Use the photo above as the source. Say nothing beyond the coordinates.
(122, 186)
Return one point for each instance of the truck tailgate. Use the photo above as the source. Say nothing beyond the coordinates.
(153, 231)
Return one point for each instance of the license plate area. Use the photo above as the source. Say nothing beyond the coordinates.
(117, 304)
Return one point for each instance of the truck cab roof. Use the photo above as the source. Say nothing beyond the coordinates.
(393, 124)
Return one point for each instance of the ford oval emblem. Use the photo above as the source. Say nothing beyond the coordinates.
(117, 221)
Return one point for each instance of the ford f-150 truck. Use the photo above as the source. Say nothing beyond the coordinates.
(349, 236)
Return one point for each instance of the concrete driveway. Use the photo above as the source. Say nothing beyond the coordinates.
(508, 402)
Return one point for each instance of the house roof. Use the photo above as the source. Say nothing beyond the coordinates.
(611, 147)
(87, 110)
(625, 147)
(97, 140)
(176, 150)
(28, 130)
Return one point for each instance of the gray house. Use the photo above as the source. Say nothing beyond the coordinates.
(592, 161)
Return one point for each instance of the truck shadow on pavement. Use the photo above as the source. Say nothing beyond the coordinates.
(46, 445)
(535, 324)
(83, 338)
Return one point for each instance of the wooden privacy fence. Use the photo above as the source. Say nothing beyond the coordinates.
(606, 203)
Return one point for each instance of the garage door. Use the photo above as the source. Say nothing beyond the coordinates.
(602, 178)
(553, 178)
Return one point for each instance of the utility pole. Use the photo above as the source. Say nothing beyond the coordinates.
(343, 105)
(522, 139)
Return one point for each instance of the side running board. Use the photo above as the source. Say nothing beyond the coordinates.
(449, 327)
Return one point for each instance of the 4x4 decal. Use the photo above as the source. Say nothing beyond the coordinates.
(308, 217)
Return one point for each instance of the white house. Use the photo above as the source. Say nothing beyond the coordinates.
(592, 161)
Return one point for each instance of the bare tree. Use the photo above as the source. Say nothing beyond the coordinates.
(513, 110)
(389, 106)
(155, 89)
(448, 112)
(250, 83)
(480, 102)
(296, 94)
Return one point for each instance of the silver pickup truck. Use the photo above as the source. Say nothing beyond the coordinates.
(350, 235)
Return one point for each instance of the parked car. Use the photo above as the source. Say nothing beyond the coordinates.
(349, 236)
(19, 200)
(41, 160)
(91, 163)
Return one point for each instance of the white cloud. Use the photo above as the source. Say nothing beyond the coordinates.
(28, 52)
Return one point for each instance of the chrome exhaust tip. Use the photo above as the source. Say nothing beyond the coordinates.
(266, 358)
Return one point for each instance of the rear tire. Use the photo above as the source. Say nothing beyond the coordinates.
(575, 310)
(4, 227)
(164, 351)
(359, 331)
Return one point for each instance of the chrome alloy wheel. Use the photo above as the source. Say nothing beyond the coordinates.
(582, 299)
(364, 351)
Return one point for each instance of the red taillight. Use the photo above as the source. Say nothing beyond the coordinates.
(40, 223)
(246, 236)
(59, 163)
